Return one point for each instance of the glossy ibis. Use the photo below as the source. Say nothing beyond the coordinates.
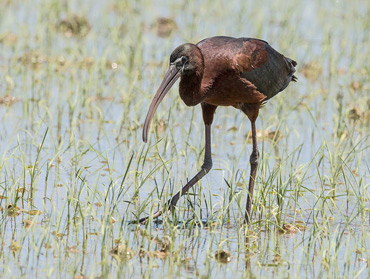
(224, 71)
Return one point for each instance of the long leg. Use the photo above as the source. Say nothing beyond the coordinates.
(208, 112)
(251, 110)
(254, 164)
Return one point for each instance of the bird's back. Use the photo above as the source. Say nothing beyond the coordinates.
(251, 59)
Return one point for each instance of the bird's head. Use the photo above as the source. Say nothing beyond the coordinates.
(184, 60)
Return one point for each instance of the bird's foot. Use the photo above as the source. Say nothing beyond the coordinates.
(144, 220)
(170, 205)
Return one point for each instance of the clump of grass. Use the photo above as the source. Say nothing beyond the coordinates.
(74, 26)
(75, 82)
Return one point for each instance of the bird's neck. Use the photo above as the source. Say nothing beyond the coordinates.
(190, 88)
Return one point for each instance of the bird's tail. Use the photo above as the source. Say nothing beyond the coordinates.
(292, 65)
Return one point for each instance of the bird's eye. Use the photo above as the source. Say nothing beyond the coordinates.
(184, 59)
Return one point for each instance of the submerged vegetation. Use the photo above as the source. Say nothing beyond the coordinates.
(76, 78)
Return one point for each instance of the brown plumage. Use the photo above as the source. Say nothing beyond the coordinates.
(224, 71)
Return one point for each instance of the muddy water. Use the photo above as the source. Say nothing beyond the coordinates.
(66, 90)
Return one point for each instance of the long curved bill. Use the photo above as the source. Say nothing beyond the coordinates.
(169, 79)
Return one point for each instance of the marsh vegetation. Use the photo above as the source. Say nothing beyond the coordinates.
(76, 79)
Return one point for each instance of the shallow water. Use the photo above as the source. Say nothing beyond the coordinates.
(90, 113)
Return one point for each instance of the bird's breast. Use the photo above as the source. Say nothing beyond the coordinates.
(230, 89)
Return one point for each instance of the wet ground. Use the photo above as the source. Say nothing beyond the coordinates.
(76, 81)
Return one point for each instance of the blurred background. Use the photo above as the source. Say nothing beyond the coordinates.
(76, 80)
